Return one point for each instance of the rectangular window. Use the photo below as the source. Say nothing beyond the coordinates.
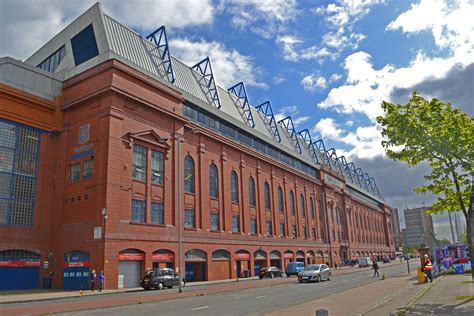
(282, 229)
(156, 167)
(313, 231)
(139, 163)
(214, 221)
(157, 213)
(304, 232)
(84, 45)
(333, 235)
(87, 169)
(235, 224)
(293, 231)
(189, 218)
(75, 172)
(269, 228)
(253, 226)
(138, 211)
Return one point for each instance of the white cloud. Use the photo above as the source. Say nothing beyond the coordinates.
(314, 82)
(292, 111)
(229, 66)
(279, 79)
(366, 87)
(289, 42)
(27, 25)
(334, 78)
(327, 128)
(450, 23)
(265, 18)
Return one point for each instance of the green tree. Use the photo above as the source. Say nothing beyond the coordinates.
(436, 133)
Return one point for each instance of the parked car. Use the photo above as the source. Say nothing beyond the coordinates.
(315, 272)
(160, 278)
(293, 268)
(270, 272)
(365, 262)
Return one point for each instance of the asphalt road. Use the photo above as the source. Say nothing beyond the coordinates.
(254, 301)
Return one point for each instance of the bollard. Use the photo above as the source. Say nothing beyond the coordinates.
(322, 312)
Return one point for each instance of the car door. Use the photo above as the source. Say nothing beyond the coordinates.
(324, 271)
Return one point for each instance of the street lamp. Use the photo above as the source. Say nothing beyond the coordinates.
(178, 137)
(406, 247)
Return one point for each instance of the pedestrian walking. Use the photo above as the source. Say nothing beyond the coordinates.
(428, 268)
(101, 280)
(93, 279)
(376, 268)
(335, 265)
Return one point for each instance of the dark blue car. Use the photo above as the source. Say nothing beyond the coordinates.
(293, 268)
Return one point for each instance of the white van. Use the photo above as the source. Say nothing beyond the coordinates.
(365, 262)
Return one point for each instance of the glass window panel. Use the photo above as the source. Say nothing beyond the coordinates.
(25, 163)
(5, 182)
(138, 211)
(292, 203)
(214, 221)
(266, 189)
(157, 213)
(282, 229)
(235, 224)
(139, 163)
(7, 135)
(280, 200)
(75, 172)
(302, 206)
(253, 226)
(269, 228)
(252, 199)
(157, 167)
(188, 174)
(189, 220)
(88, 164)
(4, 212)
(234, 192)
(213, 181)
(6, 159)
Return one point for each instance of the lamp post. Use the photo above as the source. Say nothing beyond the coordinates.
(178, 137)
(406, 247)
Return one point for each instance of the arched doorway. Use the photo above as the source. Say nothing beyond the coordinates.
(220, 265)
(259, 261)
(19, 269)
(242, 263)
(319, 257)
(196, 265)
(163, 258)
(300, 256)
(75, 271)
(275, 259)
(288, 257)
(130, 267)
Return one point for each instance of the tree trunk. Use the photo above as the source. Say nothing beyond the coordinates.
(470, 229)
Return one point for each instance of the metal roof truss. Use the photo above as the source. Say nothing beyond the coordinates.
(241, 93)
(331, 152)
(322, 149)
(266, 109)
(159, 38)
(287, 123)
(342, 160)
(207, 80)
(306, 137)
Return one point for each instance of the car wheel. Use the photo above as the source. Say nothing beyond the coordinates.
(301, 281)
(146, 288)
(272, 275)
(160, 286)
(318, 279)
(170, 286)
(329, 277)
(260, 277)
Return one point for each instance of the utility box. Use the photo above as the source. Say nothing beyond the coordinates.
(421, 276)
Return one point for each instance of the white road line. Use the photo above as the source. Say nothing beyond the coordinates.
(262, 296)
(202, 307)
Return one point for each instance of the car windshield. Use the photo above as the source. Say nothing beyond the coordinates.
(312, 267)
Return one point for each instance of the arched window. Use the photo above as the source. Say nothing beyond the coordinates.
(188, 174)
(292, 203)
(311, 208)
(280, 200)
(252, 199)
(266, 192)
(213, 182)
(302, 207)
(234, 184)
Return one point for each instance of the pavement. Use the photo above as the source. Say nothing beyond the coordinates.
(446, 295)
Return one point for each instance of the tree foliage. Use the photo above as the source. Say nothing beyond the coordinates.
(443, 136)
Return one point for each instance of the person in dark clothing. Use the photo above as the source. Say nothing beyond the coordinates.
(93, 279)
(335, 265)
(428, 268)
(101, 280)
(376, 268)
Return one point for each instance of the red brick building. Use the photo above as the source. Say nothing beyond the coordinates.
(116, 137)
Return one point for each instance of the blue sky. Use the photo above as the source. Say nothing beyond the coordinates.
(328, 64)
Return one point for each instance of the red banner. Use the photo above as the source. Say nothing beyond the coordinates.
(163, 257)
(19, 264)
(242, 256)
(76, 264)
(132, 256)
(288, 255)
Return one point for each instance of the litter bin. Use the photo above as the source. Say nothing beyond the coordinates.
(459, 269)
(246, 273)
(421, 276)
(46, 283)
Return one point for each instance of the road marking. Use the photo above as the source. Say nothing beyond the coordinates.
(261, 296)
(202, 307)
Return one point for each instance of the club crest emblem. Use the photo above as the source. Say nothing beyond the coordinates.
(83, 135)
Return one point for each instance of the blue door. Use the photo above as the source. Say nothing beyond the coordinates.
(190, 276)
(21, 278)
(75, 278)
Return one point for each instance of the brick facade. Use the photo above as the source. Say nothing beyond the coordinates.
(124, 108)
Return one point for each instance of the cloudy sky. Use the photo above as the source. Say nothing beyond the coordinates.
(328, 64)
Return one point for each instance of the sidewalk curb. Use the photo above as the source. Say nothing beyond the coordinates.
(416, 297)
(384, 300)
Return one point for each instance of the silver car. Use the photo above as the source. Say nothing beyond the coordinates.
(314, 272)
